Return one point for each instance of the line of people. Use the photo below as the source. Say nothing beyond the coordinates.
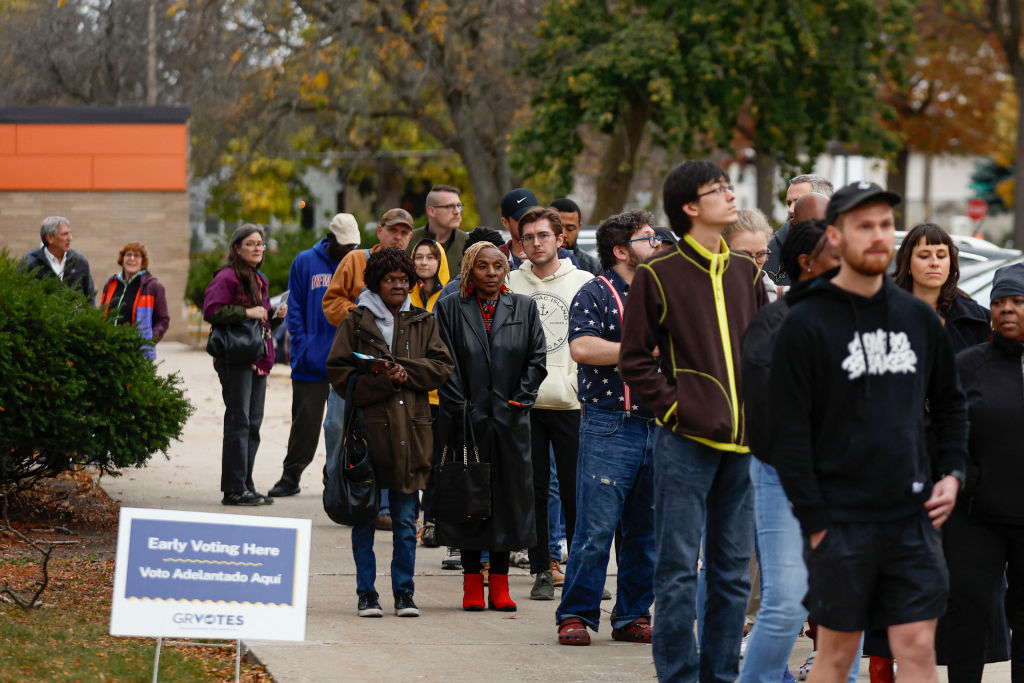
(687, 416)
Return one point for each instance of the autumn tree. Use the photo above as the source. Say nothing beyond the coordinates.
(1003, 22)
(953, 85)
(783, 78)
(445, 66)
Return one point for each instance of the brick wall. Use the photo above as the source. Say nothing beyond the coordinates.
(101, 223)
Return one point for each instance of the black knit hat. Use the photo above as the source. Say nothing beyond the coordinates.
(484, 234)
(1008, 281)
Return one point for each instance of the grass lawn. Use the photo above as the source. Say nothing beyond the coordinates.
(66, 638)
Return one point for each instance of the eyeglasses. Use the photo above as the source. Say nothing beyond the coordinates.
(719, 189)
(132, 255)
(538, 237)
(653, 240)
(401, 281)
(254, 245)
(759, 256)
(454, 208)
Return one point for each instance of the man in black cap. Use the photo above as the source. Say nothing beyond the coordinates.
(513, 205)
(858, 358)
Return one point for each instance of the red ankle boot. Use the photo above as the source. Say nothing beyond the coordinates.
(880, 670)
(473, 592)
(497, 594)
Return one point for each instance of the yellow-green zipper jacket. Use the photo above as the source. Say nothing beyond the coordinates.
(693, 305)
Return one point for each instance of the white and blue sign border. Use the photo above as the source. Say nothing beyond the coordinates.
(207, 575)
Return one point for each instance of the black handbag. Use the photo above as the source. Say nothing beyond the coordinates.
(240, 343)
(351, 495)
(462, 485)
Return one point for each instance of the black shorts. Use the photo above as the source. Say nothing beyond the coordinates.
(869, 575)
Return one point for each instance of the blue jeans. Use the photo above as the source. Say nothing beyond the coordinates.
(403, 559)
(695, 484)
(783, 581)
(614, 480)
(556, 518)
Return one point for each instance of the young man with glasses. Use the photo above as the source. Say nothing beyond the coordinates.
(444, 218)
(615, 468)
(680, 351)
(555, 418)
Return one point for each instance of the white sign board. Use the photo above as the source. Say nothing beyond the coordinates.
(205, 575)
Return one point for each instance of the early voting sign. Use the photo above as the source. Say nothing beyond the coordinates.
(205, 575)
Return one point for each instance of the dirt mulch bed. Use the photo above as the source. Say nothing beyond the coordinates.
(74, 512)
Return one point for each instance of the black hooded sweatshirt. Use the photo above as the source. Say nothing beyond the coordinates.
(849, 441)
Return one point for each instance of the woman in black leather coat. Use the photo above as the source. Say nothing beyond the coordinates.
(497, 342)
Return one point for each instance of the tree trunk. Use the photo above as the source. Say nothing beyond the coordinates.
(928, 158)
(764, 167)
(896, 181)
(618, 163)
(1018, 169)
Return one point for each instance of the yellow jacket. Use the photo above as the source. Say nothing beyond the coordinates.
(416, 293)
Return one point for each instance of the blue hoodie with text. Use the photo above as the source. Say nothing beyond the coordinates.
(311, 334)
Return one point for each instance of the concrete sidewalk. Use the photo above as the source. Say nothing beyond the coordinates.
(444, 643)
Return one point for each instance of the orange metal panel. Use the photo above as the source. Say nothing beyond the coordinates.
(51, 172)
(112, 138)
(7, 138)
(140, 173)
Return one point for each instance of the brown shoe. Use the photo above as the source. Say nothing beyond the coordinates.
(384, 522)
(573, 631)
(486, 572)
(636, 631)
(556, 572)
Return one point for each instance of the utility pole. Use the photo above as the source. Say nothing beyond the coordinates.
(151, 56)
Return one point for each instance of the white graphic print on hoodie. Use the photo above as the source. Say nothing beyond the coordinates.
(554, 295)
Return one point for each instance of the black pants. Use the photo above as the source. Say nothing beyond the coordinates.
(435, 458)
(243, 390)
(471, 563)
(308, 402)
(557, 430)
(978, 554)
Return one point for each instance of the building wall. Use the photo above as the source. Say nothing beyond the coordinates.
(101, 223)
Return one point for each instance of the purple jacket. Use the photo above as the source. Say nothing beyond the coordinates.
(149, 312)
(226, 290)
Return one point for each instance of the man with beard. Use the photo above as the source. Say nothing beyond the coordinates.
(858, 358)
(615, 470)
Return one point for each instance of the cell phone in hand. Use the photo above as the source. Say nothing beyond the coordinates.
(376, 364)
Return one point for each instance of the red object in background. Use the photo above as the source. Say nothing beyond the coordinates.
(977, 209)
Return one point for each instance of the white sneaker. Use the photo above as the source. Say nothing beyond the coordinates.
(521, 559)
(452, 560)
(805, 668)
(563, 545)
(743, 645)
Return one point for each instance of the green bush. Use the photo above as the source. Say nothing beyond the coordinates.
(76, 390)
